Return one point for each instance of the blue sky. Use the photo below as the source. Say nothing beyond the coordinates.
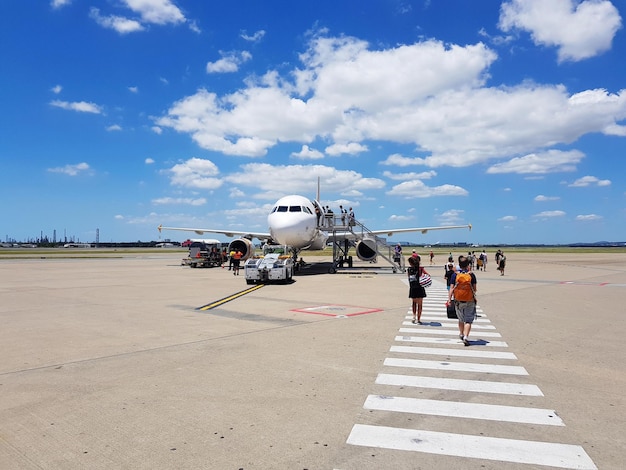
(120, 115)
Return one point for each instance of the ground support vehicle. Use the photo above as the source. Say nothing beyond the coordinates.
(273, 267)
(203, 255)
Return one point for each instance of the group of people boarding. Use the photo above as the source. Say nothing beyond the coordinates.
(326, 216)
(461, 283)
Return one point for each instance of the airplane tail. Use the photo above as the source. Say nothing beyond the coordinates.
(317, 196)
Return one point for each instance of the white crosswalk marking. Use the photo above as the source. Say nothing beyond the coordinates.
(463, 410)
(453, 352)
(479, 386)
(441, 316)
(479, 447)
(431, 331)
(456, 366)
(438, 339)
(440, 324)
(423, 339)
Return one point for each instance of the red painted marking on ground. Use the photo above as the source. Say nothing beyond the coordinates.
(337, 310)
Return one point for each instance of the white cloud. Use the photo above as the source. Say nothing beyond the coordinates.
(195, 173)
(588, 217)
(615, 129)
(193, 26)
(549, 214)
(149, 161)
(71, 170)
(450, 217)
(56, 89)
(79, 106)
(59, 3)
(425, 175)
(235, 193)
(551, 161)
(542, 198)
(299, 179)
(180, 200)
(400, 218)
(398, 160)
(351, 148)
(114, 127)
(425, 94)
(417, 189)
(133, 89)
(156, 130)
(578, 29)
(118, 23)
(229, 62)
(256, 37)
(586, 181)
(159, 12)
(307, 153)
(508, 218)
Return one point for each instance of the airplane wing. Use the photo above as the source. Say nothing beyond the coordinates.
(423, 230)
(390, 232)
(228, 233)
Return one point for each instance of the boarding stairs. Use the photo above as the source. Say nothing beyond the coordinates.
(369, 244)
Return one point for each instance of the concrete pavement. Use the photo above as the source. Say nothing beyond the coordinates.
(106, 363)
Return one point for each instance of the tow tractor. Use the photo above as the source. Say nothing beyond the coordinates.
(276, 264)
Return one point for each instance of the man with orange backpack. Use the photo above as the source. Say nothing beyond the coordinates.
(463, 291)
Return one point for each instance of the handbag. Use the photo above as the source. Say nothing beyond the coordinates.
(425, 280)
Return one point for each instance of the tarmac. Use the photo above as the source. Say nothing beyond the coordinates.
(110, 363)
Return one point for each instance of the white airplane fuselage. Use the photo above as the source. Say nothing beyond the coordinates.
(294, 222)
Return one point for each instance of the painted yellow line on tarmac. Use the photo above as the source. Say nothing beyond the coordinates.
(217, 303)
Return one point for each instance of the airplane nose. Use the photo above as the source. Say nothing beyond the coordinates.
(290, 231)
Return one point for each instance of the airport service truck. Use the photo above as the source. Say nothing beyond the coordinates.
(276, 265)
(203, 254)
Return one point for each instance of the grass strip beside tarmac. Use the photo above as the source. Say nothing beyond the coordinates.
(26, 253)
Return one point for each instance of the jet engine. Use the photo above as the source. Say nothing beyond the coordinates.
(366, 249)
(244, 245)
(319, 242)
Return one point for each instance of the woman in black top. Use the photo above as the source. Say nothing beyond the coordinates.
(416, 291)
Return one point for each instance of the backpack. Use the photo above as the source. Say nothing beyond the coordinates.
(463, 290)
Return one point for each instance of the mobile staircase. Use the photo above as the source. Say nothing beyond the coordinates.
(369, 247)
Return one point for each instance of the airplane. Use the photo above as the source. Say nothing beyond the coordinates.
(300, 223)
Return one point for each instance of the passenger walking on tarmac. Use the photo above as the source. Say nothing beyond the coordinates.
(236, 262)
(502, 264)
(463, 291)
(448, 275)
(416, 291)
(432, 257)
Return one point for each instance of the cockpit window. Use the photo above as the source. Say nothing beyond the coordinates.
(295, 209)
(306, 209)
(282, 208)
